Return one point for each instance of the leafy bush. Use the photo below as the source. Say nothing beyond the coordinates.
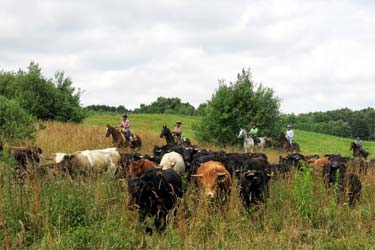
(15, 124)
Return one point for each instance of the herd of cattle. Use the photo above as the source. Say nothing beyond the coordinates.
(155, 183)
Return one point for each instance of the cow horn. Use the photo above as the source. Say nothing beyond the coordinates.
(221, 174)
(196, 175)
(250, 174)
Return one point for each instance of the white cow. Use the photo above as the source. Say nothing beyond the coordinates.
(92, 161)
(173, 160)
(59, 157)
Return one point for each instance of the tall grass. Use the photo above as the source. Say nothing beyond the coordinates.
(55, 213)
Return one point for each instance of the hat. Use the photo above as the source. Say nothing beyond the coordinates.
(289, 126)
(358, 138)
(124, 115)
(178, 122)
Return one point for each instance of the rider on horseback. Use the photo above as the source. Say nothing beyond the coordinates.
(177, 131)
(358, 142)
(289, 135)
(125, 125)
(254, 133)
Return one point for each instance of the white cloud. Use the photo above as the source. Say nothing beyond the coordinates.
(316, 55)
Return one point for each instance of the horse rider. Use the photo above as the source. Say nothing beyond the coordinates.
(358, 142)
(125, 125)
(254, 133)
(177, 131)
(289, 135)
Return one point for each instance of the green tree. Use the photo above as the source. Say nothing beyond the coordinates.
(46, 99)
(15, 124)
(238, 105)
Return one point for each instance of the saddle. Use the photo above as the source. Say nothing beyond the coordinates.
(133, 138)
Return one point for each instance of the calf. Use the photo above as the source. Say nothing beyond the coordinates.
(215, 181)
(254, 181)
(156, 193)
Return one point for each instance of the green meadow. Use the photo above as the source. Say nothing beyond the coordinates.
(310, 142)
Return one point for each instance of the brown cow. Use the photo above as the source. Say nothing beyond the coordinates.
(138, 168)
(214, 180)
(318, 164)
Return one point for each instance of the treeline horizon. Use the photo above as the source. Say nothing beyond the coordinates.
(342, 122)
(162, 105)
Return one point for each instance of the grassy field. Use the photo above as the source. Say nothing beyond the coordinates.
(91, 213)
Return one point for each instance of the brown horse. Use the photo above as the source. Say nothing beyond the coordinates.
(286, 145)
(357, 151)
(120, 141)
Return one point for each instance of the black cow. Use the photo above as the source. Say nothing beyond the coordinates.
(350, 183)
(156, 193)
(292, 160)
(205, 156)
(27, 159)
(254, 182)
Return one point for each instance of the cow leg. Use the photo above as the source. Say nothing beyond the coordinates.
(161, 220)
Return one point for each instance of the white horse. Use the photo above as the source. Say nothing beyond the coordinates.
(248, 143)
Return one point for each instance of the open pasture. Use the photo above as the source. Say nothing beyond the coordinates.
(54, 213)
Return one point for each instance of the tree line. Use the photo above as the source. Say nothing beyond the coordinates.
(341, 122)
(162, 105)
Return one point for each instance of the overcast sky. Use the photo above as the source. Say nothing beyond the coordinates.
(316, 55)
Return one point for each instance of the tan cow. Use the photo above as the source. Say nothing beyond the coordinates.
(214, 180)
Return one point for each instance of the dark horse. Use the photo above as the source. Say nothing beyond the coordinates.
(120, 141)
(357, 151)
(286, 145)
(172, 140)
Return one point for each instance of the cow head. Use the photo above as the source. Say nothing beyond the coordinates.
(138, 168)
(211, 183)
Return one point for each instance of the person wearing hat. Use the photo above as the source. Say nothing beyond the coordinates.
(125, 125)
(254, 132)
(289, 135)
(358, 142)
(177, 131)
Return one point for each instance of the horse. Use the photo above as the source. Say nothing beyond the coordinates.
(173, 140)
(358, 152)
(120, 141)
(286, 145)
(167, 134)
(249, 144)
